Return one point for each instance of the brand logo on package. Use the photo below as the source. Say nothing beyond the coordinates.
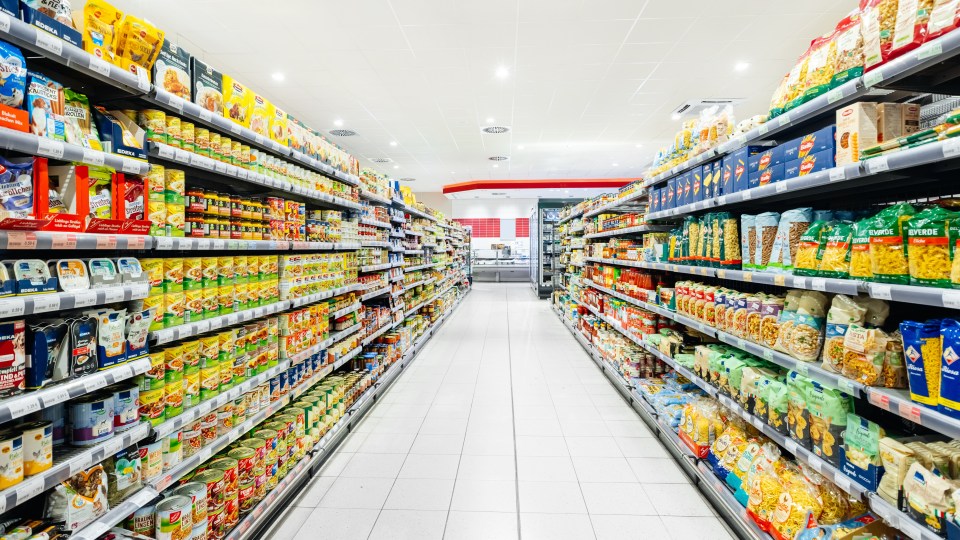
(808, 164)
(950, 355)
(807, 144)
(740, 169)
(237, 87)
(912, 353)
(765, 161)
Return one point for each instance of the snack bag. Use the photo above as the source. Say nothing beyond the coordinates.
(101, 198)
(922, 347)
(16, 190)
(138, 42)
(79, 128)
(910, 30)
(928, 246)
(944, 18)
(844, 312)
(835, 259)
(13, 75)
(100, 22)
(45, 106)
(879, 21)
(79, 499)
(949, 400)
(888, 255)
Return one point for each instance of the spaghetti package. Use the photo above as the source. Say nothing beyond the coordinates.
(944, 18)
(844, 312)
(928, 247)
(949, 400)
(910, 30)
(922, 348)
(765, 232)
(879, 19)
(888, 254)
(748, 239)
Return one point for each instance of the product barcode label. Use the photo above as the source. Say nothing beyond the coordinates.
(106, 241)
(50, 148)
(12, 307)
(164, 242)
(24, 407)
(131, 166)
(818, 284)
(834, 95)
(880, 291)
(49, 42)
(21, 240)
(878, 165)
(930, 50)
(909, 411)
(93, 157)
(782, 186)
(58, 396)
(29, 488)
(873, 78)
(113, 295)
(95, 382)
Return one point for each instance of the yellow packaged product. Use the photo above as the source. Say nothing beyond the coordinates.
(762, 484)
(860, 263)
(798, 502)
(928, 247)
(260, 115)
(100, 22)
(278, 125)
(821, 65)
(139, 41)
(879, 18)
(888, 253)
(237, 101)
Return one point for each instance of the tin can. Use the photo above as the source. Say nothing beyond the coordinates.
(56, 415)
(192, 439)
(224, 422)
(126, 406)
(245, 457)
(269, 437)
(153, 406)
(259, 447)
(174, 137)
(239, 410)
(173, 396)
(260, 487)
(11, 459)
(143, 520)
(231, 509)
(246, 496)
(208, 430)
(216, 526)
(231, 478)
(151, 460)
(197, 493)
(91, 419)
(199, 531)
(213, 479)
(37, 441)
(172, 450)
(173, 518)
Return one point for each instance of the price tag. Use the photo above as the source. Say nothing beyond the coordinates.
(205, 115)
(203, 326)
(880, 291)
(216, 323)
(205, 454)
(113, 295)
(910, 528)
(818, 284)
(164, 242)
(57, 396)
(235, 128)
(21, 240)
(757, 423)
(951, 147)
(182, 155)
(219, 244)
(136, 242)
(140, 290)
(175, 103)
(848, 386)
(873, 78)
(113, 446)
(49, 147)
(49, 42)
(12, 307)
(243, 173)
(95, 382)
(934, 48)
(259, 139)
(220, 167)
(880, 400)
(203, 244)
(784, 119)
(878, 165)
(768, 354)
(93, 157)
(834, 95)
(143, 80)
(131, 166)
(4, 27)
(951, 300)
(164, 151)
(79, 464)
(790, 446)
(23, 407)
(802, 368)
(106, 241)
(746, 195)
(64, 241)
(782, 186)
(763, 129)
(909, 411)
(29, 488)
(799, 283)
(748, 277)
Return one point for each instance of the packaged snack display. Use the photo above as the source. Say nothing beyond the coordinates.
(13, 74)
(910, 30)
(879, 24)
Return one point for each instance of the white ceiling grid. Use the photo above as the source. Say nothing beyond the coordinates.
(588, 80)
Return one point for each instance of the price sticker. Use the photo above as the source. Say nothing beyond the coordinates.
(746, 195)
(243, 174)
(842, 481)
(848, 386)
(748, 277)
(219, 244)
(764, 129)
(878, 165)
(784, 119)
(880, 400)
(951, 300)
(64, 240)
(164, 242)
(49, 147)
(12, 307)
(57, 396)
(837, 174)
(98, 65)
(106, 241)
(113, 446)
(143, 80)
(929, 50)
(21, 240)
(140, 290)
(93, 157)
(873, 78)
(206, 115)
(95, 382)
(909, 411)
(29, 489)
(4, 27)
(164, 151)
(802, 368)
(220, 167)
(951, 148)
(136, 242)
(757, 423)
(880, 291)
(182, 156)
(768, 354)
(23, 407)
(175, 103)
(205, 454)
(834, 95)
(203, 326)
(818, 284)
(113, 295)
(131, 166)
(790, 446)
(259, 140)
(782, 186)
(49, 42)
(235, 128)
(800, 283)
(79, 464)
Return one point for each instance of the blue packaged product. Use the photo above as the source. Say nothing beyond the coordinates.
(663, 198)
(13, 76)
(45, 107)
(697, 177)
(654, 200)
(818, 141)
(923, 349)
(671, 194)
(711, 179)
(949, 401)
(16, 189)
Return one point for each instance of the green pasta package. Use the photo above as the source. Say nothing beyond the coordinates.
(888, 254)
(922, 348)
(860, 266)
(835, 260)
(812, 244)
(928, 247)
(828, 419)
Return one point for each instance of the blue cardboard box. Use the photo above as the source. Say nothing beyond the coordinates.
(696, 184)
(810, 164)
(45, 22)
(663, 198)
(671, 194)
(654, 200)
(813, 143)
(711, 181)
(685, 181)
(761, 161)
(772, 174)
(736, 169)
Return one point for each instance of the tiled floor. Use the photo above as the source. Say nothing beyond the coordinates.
(502, 428)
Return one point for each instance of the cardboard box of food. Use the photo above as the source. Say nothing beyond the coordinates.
(856, 129)
(207, 86)
(696, 184)
(171, 72)
(812, 143)
(810, 164)
(237, 101)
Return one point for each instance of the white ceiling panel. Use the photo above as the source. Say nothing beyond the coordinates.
(586, 80)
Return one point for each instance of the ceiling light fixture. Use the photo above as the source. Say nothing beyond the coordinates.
(338, 122)
(495, 166)
(279, 77)
(616, 165)
(741, 66)
(343, 132)
(408, 179)
(490, 120)
(498, 158)
(675, 116)
(520, 147)
(639, 146)
(396, 166)
(502, 72)
(393, 143)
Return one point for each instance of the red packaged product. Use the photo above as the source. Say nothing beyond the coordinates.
(910, 30)
(944, 18)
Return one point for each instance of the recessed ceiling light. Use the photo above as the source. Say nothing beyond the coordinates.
(279, 77)
(396, 166)
(741, 66)
(520, 147)
(639, 146)
(393, 143)
(495, 165)
(381, 160)
(502, 72)
(490, 120)
(615, 164)
(338, 122)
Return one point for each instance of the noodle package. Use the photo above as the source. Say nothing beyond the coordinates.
(949, 400)
(888, 255)
(844, 311)
(807, 335)
(928, 247)
(922, 349)
(835, 259)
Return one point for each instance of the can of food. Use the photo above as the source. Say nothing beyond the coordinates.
(173, 132)
(260, 486)
(231, 510)
(239, 410)
(173, 518)
(224, 422)
(208, 431)
(209, 382)
(191, 355)
(37, 445)
(259, 447)
(216, 526)
(245, 458)
(172, 450)
(154, 122)
(269, 438)
(175, 182)
(173, 396)
(231, 478)
(197, 493)
(199, 531)
(213, 479)
(246, 496)
(151, 460)
(153, 406)
(11, 458)
(126, 406)
(201, 139)
(188, 136)
(91, 419)
(173, 363)
(143, 520)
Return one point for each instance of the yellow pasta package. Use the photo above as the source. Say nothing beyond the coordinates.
(860, 265)
(798, 505)
(888, 254)
(278, 125)
(928, 247)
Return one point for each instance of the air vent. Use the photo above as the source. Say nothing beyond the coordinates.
(694, 106)
(495, 130)
(343, 132)
(498, 158)
(381, 160)
(408, 179)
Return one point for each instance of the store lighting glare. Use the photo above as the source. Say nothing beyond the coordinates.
(520, 147)
(503, 72)
(396, 166)
(338, 122)
(616, 164)
(675, 116)
(741, 66)
(393, 143)
(639, 146)
(279, 77)
(489, 120)
(495, 166)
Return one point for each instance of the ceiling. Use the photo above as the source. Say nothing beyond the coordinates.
(550, 193)
(588, 90)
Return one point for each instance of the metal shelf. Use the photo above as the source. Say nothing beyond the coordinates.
(69, 241)
(628, 230)
(374, 223)
(175, 333)
(304, 300)
(613, 205)
(28, 143)
(19, 306)
(346, 311)
(374, 294)
(374, 198)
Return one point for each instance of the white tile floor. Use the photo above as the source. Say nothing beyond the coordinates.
(502, 428)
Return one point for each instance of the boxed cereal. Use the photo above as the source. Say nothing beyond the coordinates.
(856, 129)
(207, 86)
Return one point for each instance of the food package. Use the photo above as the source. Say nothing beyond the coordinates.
(260, 115)
(748, 239)
(820, 66)
(799, 502)
(788, 318)
(808, 330)
(123, 472)
(207, 87)
(879, 19)
(101, 198)
(860, 264)
(16, 189)
(910, 30)
(138, 42)
(237, 101)
(764, 487)
(862, 442)
(13, 76)
(79, 499)
(844, 312)
(765, 233)
(856, 130)
(778, 409)
(896, 458)
(944, 18)
(59, 10)
(949, 400)
(928, 247)
(928, 497)
(45, 106)
(828, 420)
(171, 72)
(922, 347)
(835, 258)
(790, 232)
(79, 128)
(888, 255)
(849, 43)
(864, 352)
(798, 417)
(770, 310)
(100, 22)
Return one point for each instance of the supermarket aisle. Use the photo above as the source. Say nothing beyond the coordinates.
(502, 428)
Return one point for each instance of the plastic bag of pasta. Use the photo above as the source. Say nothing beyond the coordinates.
(836, 503)
(844, 311)
(747, 239)
(823, 59)
(928, 497)
(763, 485)
(922, 349)
(849, 43)
(928, 247)
(835, 259)
(793, 224)
(864, 351)
(949, 401)
(894, 366)
(860, 265)
(796, 506)
(944, 18)
(754, 316)
(910, 30)
(879, 20)
(730, 253)
(770, 312)
(788, 318)
(811, 246)
(738, 472)
(828, 409)
(798, 417)
(807, 335)
(765, 232)
(888, 254)
(953, 237)
(726, 448)
(778, 405)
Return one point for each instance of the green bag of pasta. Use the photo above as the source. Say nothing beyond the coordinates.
(777, 408)
(729, 240)
(705, 244)
(798, 417)
(953, 237)
(928, 247)
(811, 247)
(835, 260)
(860, 266)
(888, 253)
(828, 410)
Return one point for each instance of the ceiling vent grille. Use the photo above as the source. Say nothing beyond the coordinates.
(495, 130)
(343, 132)
(498, 158)
(408, 179)
(381, 160)
(694, 106)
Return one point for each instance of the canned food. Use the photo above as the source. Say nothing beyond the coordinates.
(246, 496)
(153, 406)
(192, 439)
(245, 457)
(172, 450)
(208, 430)
(91, 419)
(231, 478)
(126, 406)
(151, 460)
(11, 459)
(216, 525)
(143, 520)
(213, 479)
(231, 510)
(199, 531)
(197, 493)
(173, 518)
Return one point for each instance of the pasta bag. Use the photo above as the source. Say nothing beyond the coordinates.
(730, 249)
(836, 505)
(811, 246)
(770, 312)
(843, 312)
(879, 20)
(928, 497)
(910, 30)
(849, 42)
(798, 417)
(777, 406)
(944, 18)
(922, 348)
(797, 507)
(894, 367)
(928, 247)
(860, 265)
(790, 230)
(896, 459)
(808, 330)
(765, 232)
(888, 256)
(828, 420)
(835, 259)
(821, 65)
(864, 350)
(748, 239)
(763, 485)
(787, 319)
(949, 400)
